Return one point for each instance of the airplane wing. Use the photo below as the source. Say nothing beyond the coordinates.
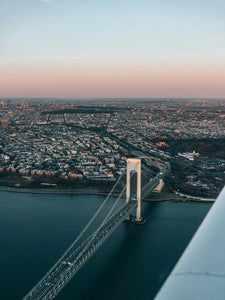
(200, 272)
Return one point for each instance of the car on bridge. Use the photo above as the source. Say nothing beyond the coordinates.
(48, 283)
(66, 263)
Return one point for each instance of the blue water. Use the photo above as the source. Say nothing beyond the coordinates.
(36, 229)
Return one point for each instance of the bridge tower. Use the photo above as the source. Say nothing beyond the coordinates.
(134, 165)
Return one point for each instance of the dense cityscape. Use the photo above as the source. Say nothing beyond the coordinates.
(62, 144)
(112, 160)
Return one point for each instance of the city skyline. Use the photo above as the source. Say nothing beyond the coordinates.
(93, 49)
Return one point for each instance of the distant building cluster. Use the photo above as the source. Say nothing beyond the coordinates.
(91, 141)
(56, 150)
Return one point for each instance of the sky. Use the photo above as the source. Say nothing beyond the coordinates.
(119, 48)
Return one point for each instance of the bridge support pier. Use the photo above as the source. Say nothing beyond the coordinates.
(134, 165)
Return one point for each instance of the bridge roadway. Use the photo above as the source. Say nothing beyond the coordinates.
(77, 255)
(74, 258)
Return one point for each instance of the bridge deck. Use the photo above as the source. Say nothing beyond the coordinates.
(63, 271)
(77, 255)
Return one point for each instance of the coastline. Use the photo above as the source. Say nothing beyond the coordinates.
(75, 191)
(202, 199)
(92, 191)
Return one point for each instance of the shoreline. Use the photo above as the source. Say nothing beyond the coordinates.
(76, 191)
(202, 199)
(86, 191)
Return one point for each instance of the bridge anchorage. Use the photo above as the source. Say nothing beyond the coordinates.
(134, 166)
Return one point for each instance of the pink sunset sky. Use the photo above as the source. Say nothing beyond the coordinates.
(59, 49)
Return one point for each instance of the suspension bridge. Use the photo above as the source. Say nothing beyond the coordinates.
(111, 213)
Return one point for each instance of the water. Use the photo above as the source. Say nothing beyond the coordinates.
(36, 229)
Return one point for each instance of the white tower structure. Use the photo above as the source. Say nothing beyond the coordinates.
(134, 165)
